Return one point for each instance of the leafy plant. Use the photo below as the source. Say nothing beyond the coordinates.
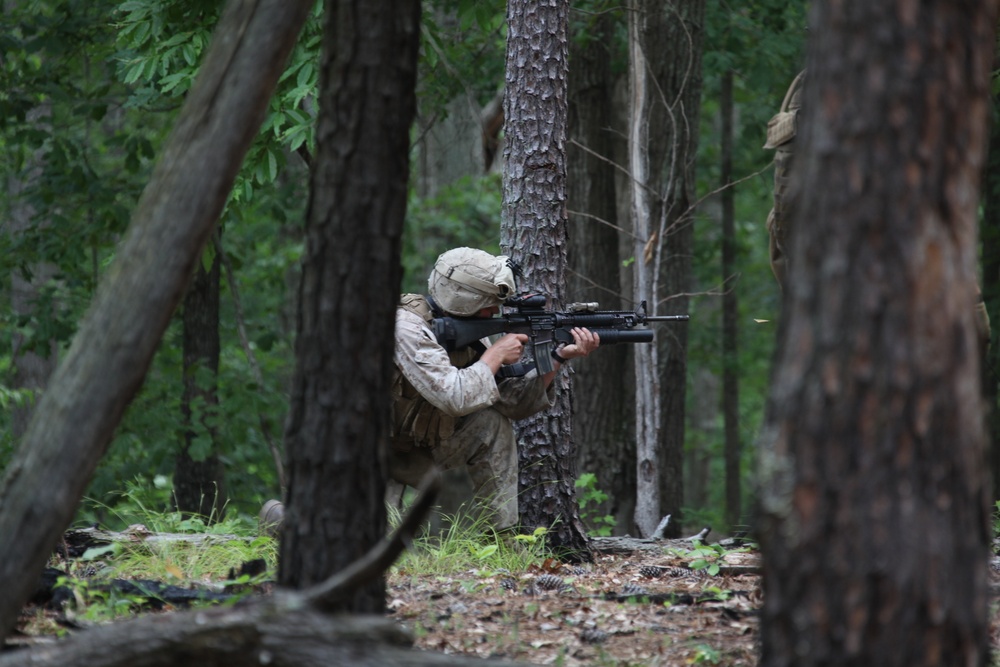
(707, 557)
(95, 603)
(468, 543)
(589, 497)
(996, 519)
(705, 655)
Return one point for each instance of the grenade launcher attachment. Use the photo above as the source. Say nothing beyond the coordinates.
(547, 329)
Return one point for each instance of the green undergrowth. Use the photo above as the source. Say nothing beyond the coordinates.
(465, 542)
(183, 550)
(199, 549)
(174, 549)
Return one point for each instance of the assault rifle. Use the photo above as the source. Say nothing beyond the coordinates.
(547, 329)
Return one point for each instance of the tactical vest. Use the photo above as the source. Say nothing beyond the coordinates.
(415, 420)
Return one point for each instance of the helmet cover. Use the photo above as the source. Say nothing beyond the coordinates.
(466, 280)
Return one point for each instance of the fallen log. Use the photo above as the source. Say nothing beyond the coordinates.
(56, 588)
(77, 541)
(280, 632)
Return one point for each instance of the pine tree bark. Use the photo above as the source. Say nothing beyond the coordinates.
(533, 231)
(337, 429)
(875, 498)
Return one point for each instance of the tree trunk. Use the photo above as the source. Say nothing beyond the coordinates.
(337, 429)
(665, 70)
(106, 364)
(730, 310)
(875, 497)
(990, 230)
(603, 390)
(533, 231)
(31, 367)
(199, 478)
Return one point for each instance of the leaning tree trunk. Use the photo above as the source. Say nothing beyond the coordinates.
(875, 498)
(106, 364)
(533, 231)
(338, 424)
(603, 389)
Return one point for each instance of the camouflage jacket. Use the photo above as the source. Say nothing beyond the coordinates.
(433, 389)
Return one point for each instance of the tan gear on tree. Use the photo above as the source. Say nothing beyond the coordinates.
(781, 130)
(466, 280)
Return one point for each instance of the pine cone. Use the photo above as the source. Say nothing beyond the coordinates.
(549, 582)
(657, 571)
(634, 589)
(593, 636)
(652, 571)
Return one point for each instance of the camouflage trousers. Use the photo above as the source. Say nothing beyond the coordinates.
(485, 444)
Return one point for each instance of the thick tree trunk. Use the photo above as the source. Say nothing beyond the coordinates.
(338, 424)
(603, 389)
(106, 364)
(199, 478)
(990, 231)
(875, 494)
(534, 232)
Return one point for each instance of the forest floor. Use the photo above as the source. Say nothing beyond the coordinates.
(639, 603)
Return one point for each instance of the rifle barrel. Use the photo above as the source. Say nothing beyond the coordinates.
(666, 318)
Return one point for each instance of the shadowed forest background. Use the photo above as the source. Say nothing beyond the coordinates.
(91, 90)
(270, 237)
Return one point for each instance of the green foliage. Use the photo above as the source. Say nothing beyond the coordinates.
(462, 53)
(178, 562)
(147, 502)
(707, 557)
(589, 497)
(88, 92)
(704, 654)
(463, 213)
(996, 521)
(99, 605)
(466, 543)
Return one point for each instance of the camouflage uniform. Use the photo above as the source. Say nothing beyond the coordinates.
(449, 410)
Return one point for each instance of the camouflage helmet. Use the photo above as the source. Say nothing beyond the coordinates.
(466, 280)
